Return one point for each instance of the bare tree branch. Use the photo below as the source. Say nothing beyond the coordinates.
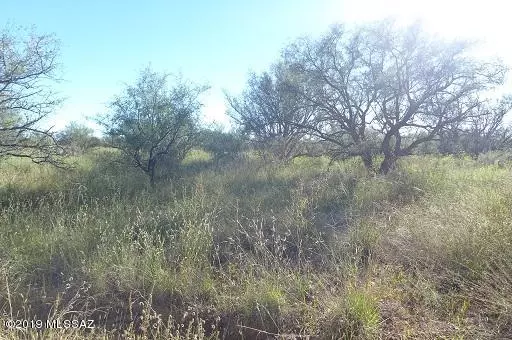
(395, 82)
(27, 65)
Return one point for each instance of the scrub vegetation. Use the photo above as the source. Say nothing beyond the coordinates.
(364, 192)
(259, 250)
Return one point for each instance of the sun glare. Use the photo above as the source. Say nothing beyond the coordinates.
(485, 22)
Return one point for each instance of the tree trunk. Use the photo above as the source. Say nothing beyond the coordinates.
(367, 161)
(151, 172)
(387, 164)
(390, 156)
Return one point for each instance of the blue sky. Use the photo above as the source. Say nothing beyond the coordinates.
(105, 43)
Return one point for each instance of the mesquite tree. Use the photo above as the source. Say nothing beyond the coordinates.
(28, 65)
(487, 132)
(391, 82)
(268, 112)
(151, 121)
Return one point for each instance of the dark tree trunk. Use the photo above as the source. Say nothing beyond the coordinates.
(390, 152)
(152, 178)
(151, 172)
(367, 161)
(388, 163)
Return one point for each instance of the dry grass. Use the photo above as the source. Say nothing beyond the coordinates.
(260, 251)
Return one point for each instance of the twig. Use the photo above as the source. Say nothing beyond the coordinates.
(281, 336)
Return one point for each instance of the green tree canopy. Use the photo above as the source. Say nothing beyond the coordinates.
(151, 121)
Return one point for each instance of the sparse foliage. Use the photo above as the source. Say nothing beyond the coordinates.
(484, 132)
(76, 138)
(28, 65)
(390, 82)
(151, 122)
(223, 146)
(268, 110)
(487, 132)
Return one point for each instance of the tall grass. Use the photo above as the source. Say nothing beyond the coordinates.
(258, 250)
